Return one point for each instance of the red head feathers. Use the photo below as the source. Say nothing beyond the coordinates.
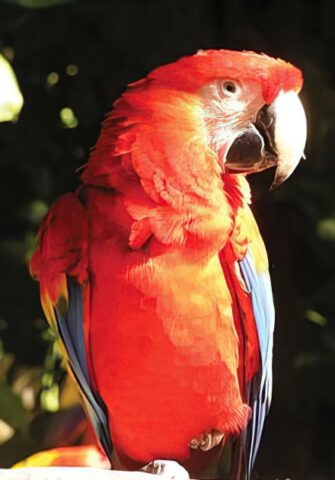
(192, 72)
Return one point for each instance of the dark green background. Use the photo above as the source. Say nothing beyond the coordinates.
(117, 42)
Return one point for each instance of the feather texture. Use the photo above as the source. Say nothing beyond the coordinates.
(258, 284)
(62, 252)
(157, 278)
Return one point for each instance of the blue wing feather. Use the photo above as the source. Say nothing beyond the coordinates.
(71, 330)
(259, 286)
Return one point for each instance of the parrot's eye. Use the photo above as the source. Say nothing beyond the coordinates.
(229, 88)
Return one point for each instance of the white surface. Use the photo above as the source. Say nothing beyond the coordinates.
(167, 470)
(71, 473)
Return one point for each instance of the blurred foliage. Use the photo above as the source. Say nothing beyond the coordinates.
(72, 61)
(11, 99)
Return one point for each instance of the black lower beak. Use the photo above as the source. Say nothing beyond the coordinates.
(254, 149)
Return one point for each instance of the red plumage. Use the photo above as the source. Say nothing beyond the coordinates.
(154, 236)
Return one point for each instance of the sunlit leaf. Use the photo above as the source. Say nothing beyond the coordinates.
(11, 99)
(6, 432)
(35, 211)
(72, 70)
(68, 118)
(316, 318)
(326, 229)
(52, 79)
(27, 385)
(47, 380)
(49, 335)
(50, 398)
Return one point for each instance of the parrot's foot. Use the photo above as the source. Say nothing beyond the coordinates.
(169, 469)
(207, 440)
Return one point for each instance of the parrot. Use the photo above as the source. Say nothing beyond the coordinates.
(154, 274)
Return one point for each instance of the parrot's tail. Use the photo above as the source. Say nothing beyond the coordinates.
(81, 456)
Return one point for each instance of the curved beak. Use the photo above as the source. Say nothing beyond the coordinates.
(276, 138)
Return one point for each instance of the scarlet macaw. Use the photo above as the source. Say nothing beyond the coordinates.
(154, 273)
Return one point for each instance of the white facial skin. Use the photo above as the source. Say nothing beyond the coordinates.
(229, 107)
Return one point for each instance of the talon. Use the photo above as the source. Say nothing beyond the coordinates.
(206, 441)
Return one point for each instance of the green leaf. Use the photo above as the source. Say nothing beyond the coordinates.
(316, 318)
(11, 99)
(34, 212)
(11, 408)
(50, 398)
(326, 229)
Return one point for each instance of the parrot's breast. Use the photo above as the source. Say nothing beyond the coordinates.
(163, 348)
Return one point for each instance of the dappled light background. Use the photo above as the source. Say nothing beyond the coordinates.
(72, 59)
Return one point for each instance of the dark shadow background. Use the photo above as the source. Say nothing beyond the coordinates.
(113, 43)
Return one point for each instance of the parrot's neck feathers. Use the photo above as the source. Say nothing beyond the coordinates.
(153, 151)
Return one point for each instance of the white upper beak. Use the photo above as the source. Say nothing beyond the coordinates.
(290, 131)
